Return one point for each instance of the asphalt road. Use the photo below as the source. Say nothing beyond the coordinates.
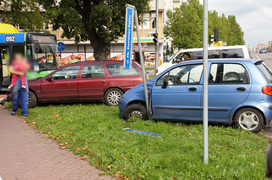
(268, 61)
(267, 57)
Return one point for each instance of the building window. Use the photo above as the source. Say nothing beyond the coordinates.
(146, 21)
(153, 20)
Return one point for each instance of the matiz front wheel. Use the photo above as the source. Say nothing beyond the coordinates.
(249, 119)
(136, 110)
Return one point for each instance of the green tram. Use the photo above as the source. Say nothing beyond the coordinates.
(39, 48)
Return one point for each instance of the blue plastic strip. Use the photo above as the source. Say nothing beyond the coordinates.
(142, 132)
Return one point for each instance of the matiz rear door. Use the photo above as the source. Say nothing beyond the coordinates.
(229, 86)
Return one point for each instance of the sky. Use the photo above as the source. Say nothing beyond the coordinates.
(254, 17)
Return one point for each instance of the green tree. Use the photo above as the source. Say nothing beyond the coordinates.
(172, 49)
(168, 51)
(101, 22)
(235, 33)
(23, 13)
(185, 26)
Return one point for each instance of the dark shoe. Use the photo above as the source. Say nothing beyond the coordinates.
(25, 115)
(12, 113)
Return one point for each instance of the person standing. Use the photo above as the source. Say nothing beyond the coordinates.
(19, 93)
(268, 164)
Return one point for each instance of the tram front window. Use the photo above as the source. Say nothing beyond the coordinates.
(5, 75)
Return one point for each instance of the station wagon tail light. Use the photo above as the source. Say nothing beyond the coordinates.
(267, 90)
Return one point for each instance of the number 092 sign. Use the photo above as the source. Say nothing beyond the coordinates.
(10, 38)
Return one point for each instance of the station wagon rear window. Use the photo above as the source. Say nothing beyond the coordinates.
(232, 53)
(118, 70)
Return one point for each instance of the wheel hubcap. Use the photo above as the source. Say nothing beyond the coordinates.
(137, 114)
(114, 97)
(248, 120)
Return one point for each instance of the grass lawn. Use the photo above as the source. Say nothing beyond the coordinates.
(95, 132)
(151, 77)
(150, 69)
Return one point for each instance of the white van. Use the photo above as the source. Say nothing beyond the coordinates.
(214, 53)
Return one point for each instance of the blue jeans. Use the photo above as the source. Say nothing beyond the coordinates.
(20, 94)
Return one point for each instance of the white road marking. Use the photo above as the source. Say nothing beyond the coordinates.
(256, 56)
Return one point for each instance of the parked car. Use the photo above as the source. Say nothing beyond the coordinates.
(214, 53)
(263, 50)
(240, 92)
(85, 81)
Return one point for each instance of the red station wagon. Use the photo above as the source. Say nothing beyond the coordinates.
(85, 81)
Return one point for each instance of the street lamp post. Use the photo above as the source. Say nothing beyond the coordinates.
(157, 43)
(205, 81)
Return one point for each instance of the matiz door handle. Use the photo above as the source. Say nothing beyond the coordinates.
(192, 89)
(103, 81)
(241, 89)
(70, 83)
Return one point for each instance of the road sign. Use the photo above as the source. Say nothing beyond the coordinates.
(128, 36)
(61, 46)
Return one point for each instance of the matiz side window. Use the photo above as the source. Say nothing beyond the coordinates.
(182, 75)
(227, 73)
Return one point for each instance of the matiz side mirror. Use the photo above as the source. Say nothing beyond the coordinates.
(49, 79)
(165, 83)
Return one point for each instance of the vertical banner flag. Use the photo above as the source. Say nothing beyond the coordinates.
(128, 37)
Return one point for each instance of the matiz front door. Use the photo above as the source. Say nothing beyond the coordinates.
(62, 85)
(180, 99)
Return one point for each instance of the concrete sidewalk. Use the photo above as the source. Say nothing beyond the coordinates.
(26, 154)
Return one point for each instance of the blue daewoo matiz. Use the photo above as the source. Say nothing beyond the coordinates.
(240, 92)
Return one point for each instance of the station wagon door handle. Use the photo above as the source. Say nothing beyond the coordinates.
(192, 89)
(241, 89)
(103, 81)
(70, 83)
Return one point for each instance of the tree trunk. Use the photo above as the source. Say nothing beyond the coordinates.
(101, 51)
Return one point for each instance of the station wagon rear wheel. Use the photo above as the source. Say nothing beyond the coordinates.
(249, 119)
(113, 96)
(136, 110)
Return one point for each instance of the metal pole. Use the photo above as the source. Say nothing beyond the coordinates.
(142, 61)
(157, 44)
(205, 81)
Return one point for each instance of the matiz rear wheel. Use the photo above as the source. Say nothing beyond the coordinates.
(113, 96)
(136, 110)
(249, 119)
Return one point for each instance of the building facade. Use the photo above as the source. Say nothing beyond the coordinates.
(117, 48)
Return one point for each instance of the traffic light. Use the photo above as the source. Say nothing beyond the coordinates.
(155, 39)
(216, 35)
(211, 39)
